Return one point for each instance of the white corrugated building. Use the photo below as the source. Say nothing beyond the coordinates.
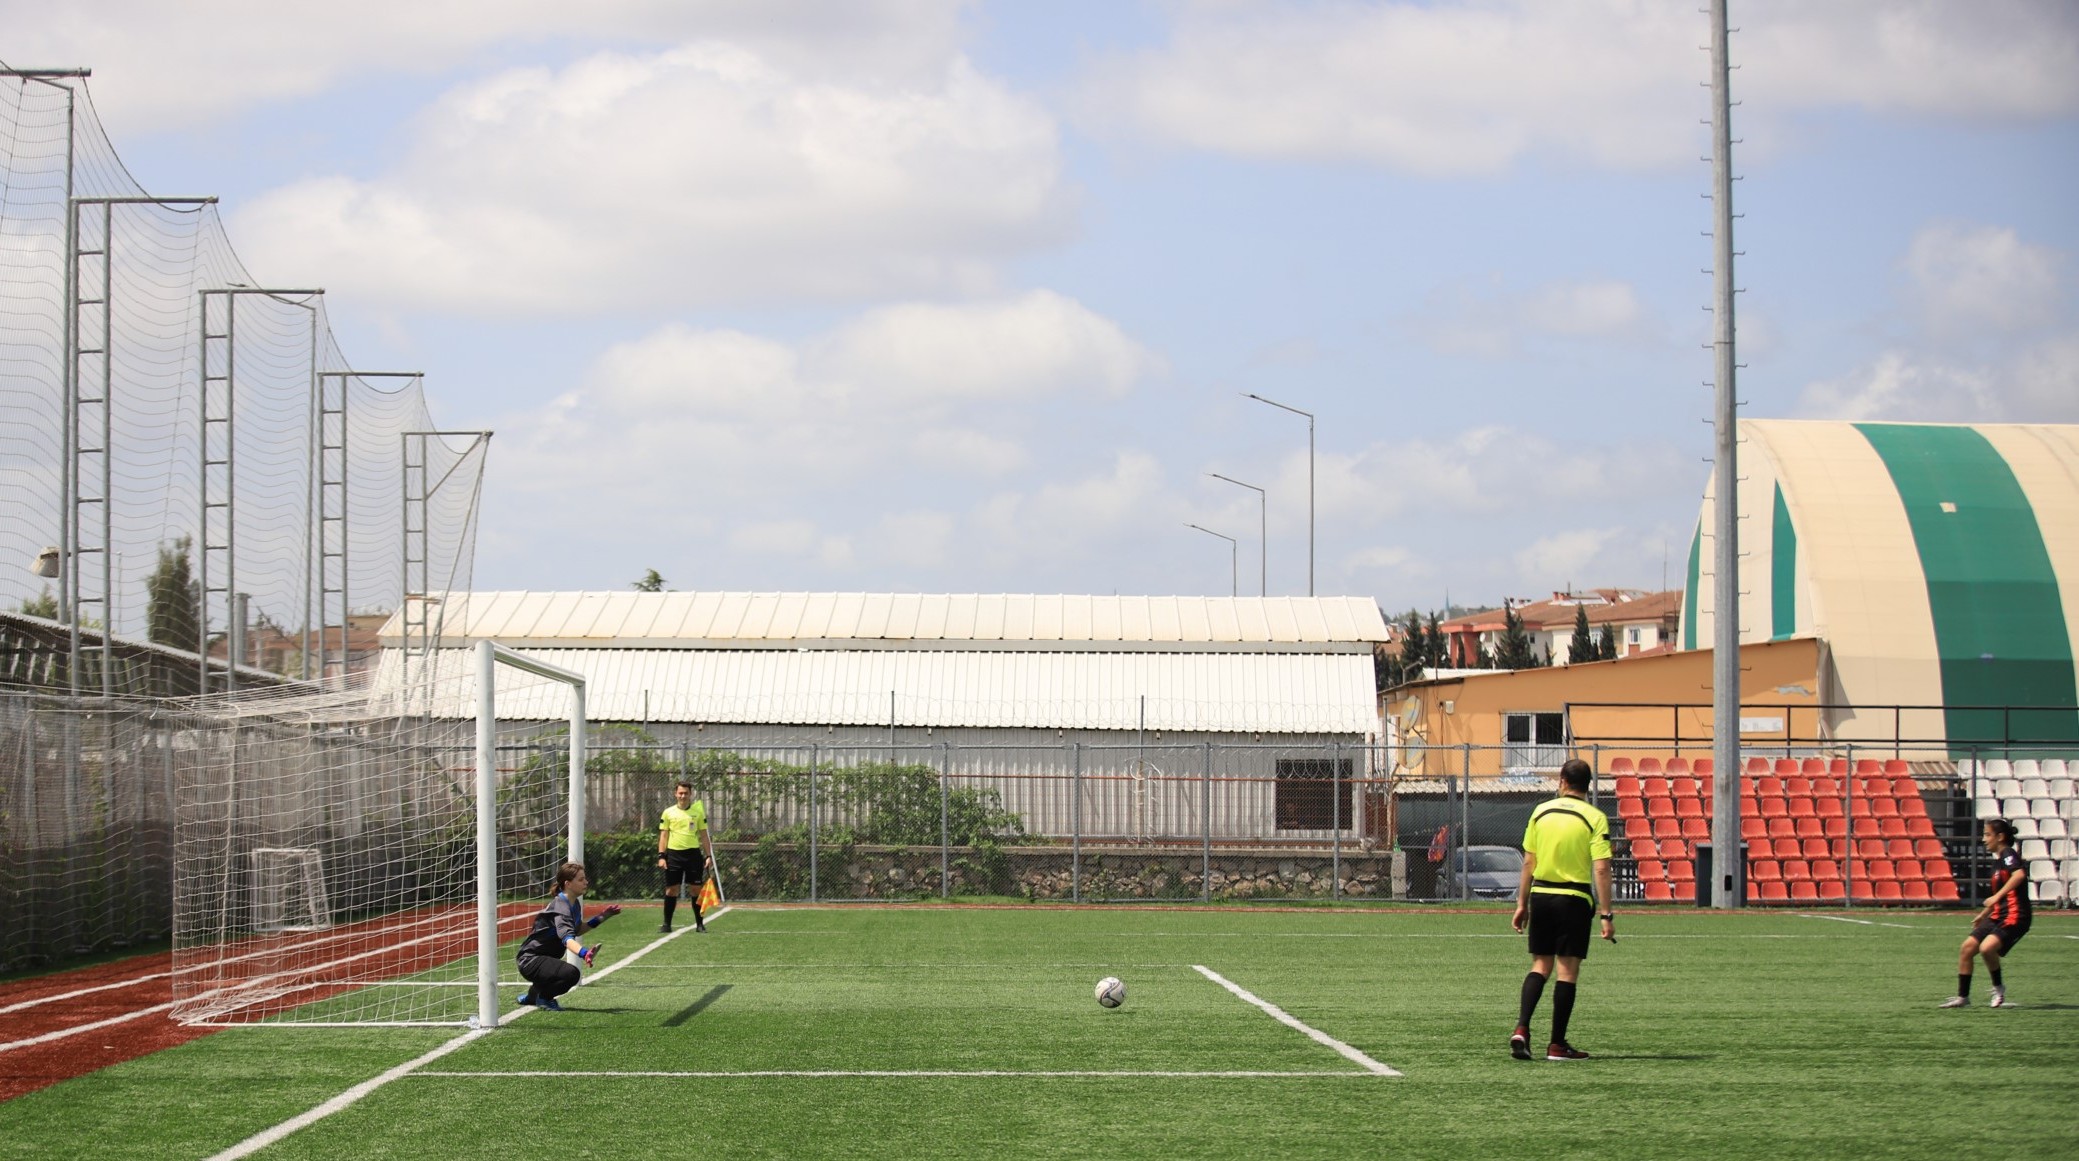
(1146, 691)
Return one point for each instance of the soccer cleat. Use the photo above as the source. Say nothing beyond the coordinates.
(1999, 999)
(548, 1005)
(1955, 1002)
(664, 929)
(1564, 1052)
(527, 999)
(701, 928)
(1519, 1044)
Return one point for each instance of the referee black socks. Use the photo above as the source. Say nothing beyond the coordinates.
(1533, 989)
(1562, 1010)
(671, 904)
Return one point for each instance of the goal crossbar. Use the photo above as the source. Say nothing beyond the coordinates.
(489, 656)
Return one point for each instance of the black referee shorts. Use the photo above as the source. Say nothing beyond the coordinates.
(1559, 924)
(688, 866)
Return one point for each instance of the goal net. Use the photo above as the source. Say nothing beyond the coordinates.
(363, 859)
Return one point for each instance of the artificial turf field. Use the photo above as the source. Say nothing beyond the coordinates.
(1759, 1035)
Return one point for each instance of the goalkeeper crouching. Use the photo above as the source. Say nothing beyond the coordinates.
(556, 930)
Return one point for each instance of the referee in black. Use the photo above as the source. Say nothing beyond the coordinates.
(1566, 869)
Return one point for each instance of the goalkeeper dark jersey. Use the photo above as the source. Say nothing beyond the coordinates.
(2012, 911)
(554, 926)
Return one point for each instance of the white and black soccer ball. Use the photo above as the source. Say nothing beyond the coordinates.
(1110, 992)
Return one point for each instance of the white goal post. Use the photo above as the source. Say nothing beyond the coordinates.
(489, 656)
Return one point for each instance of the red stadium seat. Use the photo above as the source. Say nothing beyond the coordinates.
(1626, 786)
(1801, 808)
(1928, 848)
(1893, 827)
(1795, 869)
(1689, 807)
(1912, 807)
(1649, 766)
(1868, 766)
(1622, 764)
(1827, 807)
(1683, 787)
(1657, 891)
(1874, 788)
(1815, 848)
(1786, 766)
(1661, 807)
(1905, 788)
(1761, 848)
(1826, 869)
(1677, 766)
(1811, 766)
(1886, 891)
(1804, 891)
(1772, 807)
(1899, 848)
(1681, 871)
(1703, 767)
(1838, 767)
(1797, 786)
(1860, 808)
(1913, 890)
(1825, 788)
(1653, 787)
(1766, 787)
(1773, 891)
(1835, 827)
(1782, 828)
(1942, 890)
(1757, 767)
(1878, 870)
(1897, 767)
(1832, 890)
(1696, 828)
(1752, 828)
(1920, 827)
(1884, 807)
(1631, 809)
(1667, 828)
(1651, 870)
(1933, 869)
(1869, 848)
(1763, 870)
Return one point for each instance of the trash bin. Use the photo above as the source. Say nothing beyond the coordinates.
(1704, 871)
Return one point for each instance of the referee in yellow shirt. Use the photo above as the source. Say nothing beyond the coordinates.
(683, 851)
(1566, 869)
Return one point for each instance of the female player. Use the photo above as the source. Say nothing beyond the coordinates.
(556, 929)
(2003, 920)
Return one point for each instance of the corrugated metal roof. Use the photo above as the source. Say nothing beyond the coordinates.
(779, 620)
(1191, 692)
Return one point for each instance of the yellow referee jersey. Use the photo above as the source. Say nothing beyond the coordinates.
(1566, 836)
(684, 825)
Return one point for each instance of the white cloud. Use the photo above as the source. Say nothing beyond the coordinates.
(159, 65)
(1037, 344)
(1471, 88)
(1980, 278)
(1491, 321)
(704, 174)
(1563, 557)
(2040, 384)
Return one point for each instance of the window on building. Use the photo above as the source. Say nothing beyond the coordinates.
(1631, 635)
(1313, 794)
(1533, 741)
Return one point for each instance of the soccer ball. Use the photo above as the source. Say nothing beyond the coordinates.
(1110, 992)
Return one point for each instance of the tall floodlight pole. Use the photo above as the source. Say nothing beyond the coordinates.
(1310, 480)
(1233, 561)
(1727, 874)
(1262, 533)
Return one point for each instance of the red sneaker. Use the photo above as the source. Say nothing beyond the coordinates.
(1564, 1052)
(1519, 1044)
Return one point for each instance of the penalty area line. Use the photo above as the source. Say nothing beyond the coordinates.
(266, 1137)
(923, 1073)
(1290, 1021)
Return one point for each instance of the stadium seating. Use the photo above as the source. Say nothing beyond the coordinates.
(1677, 766)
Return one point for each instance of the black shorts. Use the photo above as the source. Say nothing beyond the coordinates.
(1559, 924)
(2009, 936)
(687, 866)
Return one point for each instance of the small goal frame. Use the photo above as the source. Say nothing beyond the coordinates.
(489, 656)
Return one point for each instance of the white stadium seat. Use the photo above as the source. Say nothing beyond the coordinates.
(2026, 768)
(2051, 828)
(2034, 848)
(2042, 808)
(2060, 787)
(2007, 787)
(2056, 767)
(2048, 890)
(2060, 848)
(2035, 788)
(2013, 806)
(2042, 870)
(1988, 808)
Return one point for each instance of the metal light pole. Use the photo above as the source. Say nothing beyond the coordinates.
(1726, 872)
(1310, 480)
(1262, 532)
(1233, 567)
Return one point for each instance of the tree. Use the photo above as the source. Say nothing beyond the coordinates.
(1434, 646)
(1514, 650)
(1606, 646)
(1583, 647)
(45, 606)
(652, 582)
(172, 598)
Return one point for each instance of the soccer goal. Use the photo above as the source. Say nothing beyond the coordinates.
(359, 859)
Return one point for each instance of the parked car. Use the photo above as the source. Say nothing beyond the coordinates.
(1488, 873)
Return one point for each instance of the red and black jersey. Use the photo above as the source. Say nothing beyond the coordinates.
(2013, 909)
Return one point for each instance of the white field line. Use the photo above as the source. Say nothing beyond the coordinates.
(1290, 1021)
(1864, 922)
(62, 1033)
(84, 991)
(261, 1140)
(256, 982)
(817, 1074)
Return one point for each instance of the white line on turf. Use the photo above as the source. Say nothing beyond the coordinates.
(131, 982)
(261, 1140)
(817, 1074)
(62, 1033)
(1282, 1017)
(1864, 922)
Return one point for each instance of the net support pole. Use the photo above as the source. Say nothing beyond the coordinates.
(578, 754)
(486, 835)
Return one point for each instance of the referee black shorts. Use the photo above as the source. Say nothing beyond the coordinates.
(1559, 924)
(688, 866)
(2009, 936)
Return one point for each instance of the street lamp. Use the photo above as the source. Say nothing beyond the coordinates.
(1233, 568)
(1310, 479)
(1262, 533)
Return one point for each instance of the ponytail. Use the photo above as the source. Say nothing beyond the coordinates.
(565, 873)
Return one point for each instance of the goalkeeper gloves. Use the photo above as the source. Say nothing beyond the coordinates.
(611, 910)
(588, 954)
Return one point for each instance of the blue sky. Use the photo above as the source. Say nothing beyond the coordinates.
(921, 295)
